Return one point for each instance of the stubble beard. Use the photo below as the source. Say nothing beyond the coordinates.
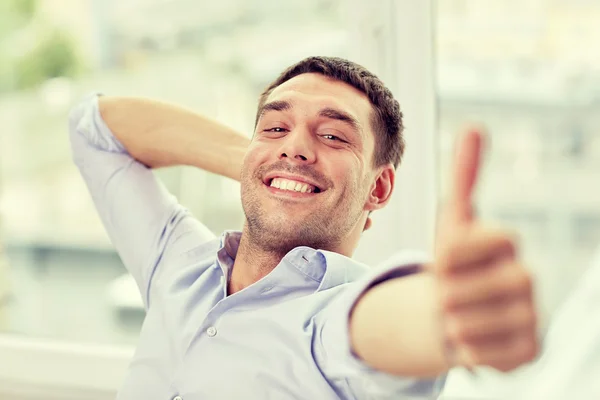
(271, 232)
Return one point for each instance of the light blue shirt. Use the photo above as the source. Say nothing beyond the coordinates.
(283, 337)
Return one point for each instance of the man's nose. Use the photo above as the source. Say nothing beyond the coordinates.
(298, 147)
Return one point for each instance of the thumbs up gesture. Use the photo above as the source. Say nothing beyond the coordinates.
(486, 294)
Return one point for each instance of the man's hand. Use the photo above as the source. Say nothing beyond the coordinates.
(476, 283)
(486, 294)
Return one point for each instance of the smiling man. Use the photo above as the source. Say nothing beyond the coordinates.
(280, 310)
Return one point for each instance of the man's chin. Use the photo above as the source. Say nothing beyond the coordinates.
(285, 215)
(283, 234)
(285, 226)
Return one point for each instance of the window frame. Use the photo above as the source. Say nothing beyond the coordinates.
(399, 48)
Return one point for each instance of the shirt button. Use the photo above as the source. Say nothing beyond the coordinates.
(211, 331)
(177, 398)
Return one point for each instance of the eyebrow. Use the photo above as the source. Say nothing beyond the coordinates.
(343, 116)
(328, 112)
(280, 105)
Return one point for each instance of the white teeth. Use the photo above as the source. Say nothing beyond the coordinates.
(295, 186)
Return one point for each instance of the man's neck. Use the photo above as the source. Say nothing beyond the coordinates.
(251, 264)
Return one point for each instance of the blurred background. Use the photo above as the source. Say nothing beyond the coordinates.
(527, 69)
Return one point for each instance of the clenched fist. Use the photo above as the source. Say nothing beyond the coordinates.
(485, 292)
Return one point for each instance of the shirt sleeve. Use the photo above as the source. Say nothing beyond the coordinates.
(141, 218)
(348, 374)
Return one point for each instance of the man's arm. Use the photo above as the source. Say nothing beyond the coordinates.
(159, 134)
(396, 327)
(141, 218)
(376, 346)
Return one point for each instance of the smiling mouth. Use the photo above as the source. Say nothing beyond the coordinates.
(292, 185)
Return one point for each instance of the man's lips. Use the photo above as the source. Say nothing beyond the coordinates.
(284, 193)
(291, 189)
(298, 182)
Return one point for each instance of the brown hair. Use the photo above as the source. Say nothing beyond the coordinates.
(387, 117)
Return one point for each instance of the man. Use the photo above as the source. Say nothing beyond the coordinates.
(280, 310)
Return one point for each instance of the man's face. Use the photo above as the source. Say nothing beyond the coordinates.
(307, 178)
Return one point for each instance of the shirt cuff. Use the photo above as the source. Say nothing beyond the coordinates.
(86, 120)
(340, 358)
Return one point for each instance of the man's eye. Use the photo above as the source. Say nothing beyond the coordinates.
(276, 129)
(332, 138)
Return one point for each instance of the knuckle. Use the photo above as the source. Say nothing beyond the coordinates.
(524, 314)
(531, 351)
(447, 298)
(456, 331)
(455, 336)
(531, 317)
(466, 335)
(506, 367)
(474, 356)
(522, 281)
(526, 350)
(452, 257)
(505, 245)
(513, 236)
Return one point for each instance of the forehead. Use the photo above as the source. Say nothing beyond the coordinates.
(313, 89)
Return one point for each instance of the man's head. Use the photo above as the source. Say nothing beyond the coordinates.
(327, 140)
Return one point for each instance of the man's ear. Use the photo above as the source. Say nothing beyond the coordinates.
(368, 222)
(381, 190)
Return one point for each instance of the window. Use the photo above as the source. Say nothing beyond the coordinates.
(537, 95)
(526, 70)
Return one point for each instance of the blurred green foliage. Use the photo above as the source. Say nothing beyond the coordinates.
(54, 55)
(23, 8)
(14, 14)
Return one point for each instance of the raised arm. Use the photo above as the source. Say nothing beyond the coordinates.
(114, 141)
(159, 134)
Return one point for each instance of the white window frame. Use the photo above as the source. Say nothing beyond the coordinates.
(394, 39)
(45, 369)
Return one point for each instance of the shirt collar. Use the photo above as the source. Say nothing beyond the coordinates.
(230, 242)
(328, 268)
